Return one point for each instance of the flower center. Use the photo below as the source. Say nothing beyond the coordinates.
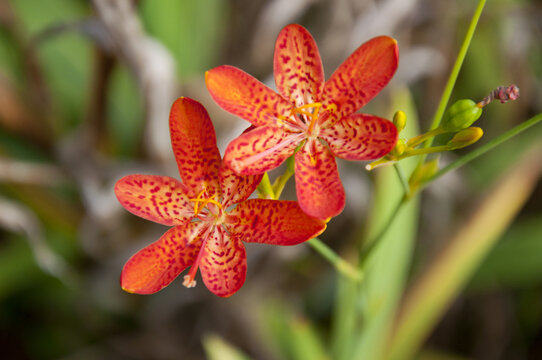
(201, 203)
(311, 115)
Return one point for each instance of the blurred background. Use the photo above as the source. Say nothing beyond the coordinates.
(85, 92)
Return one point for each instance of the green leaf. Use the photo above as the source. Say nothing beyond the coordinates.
(446, 276)
(217, 348)
(17, 266)
(65, 58)
(515, 260)
(387, 266)
(295, 337)
(191, 30)
(124, 112)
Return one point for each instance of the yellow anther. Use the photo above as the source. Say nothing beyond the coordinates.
(312, 115)
(308, 106)
(197, 200)
(201, 203)
(332, 108)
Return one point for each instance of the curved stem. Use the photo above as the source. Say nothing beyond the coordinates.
(341, 265)
(280, 182)
(402, 177)
(416, 140)
(455, 72)
(371, 244)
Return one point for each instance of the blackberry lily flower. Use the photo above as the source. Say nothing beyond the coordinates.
(314, 117)
(209, 212)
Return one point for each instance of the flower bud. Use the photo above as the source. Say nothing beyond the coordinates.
(465, 137)
(399, 148)
(399, 120)
(460, 115)
(422, 173)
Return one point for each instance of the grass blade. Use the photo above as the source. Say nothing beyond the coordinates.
(447, 275)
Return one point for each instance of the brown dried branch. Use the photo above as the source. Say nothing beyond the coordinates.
(151, 64)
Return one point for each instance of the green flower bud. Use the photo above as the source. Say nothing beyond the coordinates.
(399, 148)
(422, 173)
(399, 120)
(460, 115)
(465, 137)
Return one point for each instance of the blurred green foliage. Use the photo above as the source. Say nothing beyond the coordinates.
(48, 72)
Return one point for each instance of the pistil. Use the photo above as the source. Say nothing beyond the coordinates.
(188, 280)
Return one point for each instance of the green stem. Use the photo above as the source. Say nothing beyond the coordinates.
(402, 177)
(370, 245)
(265, 189)
(424, 151)
(281, 181)
(416, 140)
(455, 72)
(486, 147)
(341, 265)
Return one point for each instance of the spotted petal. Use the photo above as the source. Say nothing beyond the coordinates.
(161, 199)
(261, 149)
(194, 145)
(273, 222)
(223, 264)
(299, 74)
(242, 95)
(319, 189)
(156, 266)
(361, 137)
(235, 187)
(363, 75)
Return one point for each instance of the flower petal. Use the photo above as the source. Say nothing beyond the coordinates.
(361, 137)
(242, 95)
(194, 145)
(319, 189)
(157, 265)
(299, 74)
(223, 264)
(261, 149)
(161, 199)
(275, 222)
(236, 188)
(363, 75)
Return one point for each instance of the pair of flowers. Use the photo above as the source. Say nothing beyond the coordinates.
(210, 209)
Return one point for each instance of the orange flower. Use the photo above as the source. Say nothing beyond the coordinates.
(209, 211)
(315, 117)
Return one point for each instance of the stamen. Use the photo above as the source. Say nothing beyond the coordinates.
(206, 201)
(312, 115)
(201, 203)
(287, 122)
(188, 280)
(197, 199)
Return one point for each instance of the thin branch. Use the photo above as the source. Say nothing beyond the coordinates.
(152, 65)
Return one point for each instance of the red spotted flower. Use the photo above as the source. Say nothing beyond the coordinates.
(209, 212)
(314, 117)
